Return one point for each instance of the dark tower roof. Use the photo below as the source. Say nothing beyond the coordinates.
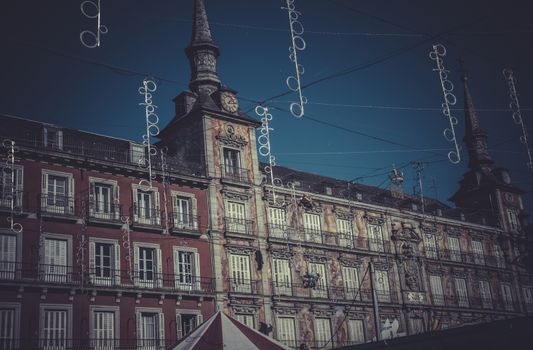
(202, 53)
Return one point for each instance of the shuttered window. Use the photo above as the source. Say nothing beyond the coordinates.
(147, 207)
(148, 266)
(11, 183)
(477, 249)
(528, 296)
(150, 330)
(187, 269)
(382, 285)
(356, 331)
(282, 277)
(8, 256)
(278, 222)
(321, 288)
(187, 322)
(461, 292)
(430, 246)
(513, 219)
(484, 293)
(507, 297)
(54, 332)
(345, 232)
(286, 330)
(375, 238)
(437, 292)
(312, 227)
(236, 217)
(240, 273)
(55, 260)
(454, 248)
(323, 333)
(7, 328)
(350, 277)
(103, 330)
(246, 319)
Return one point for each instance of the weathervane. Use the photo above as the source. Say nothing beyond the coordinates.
(297, 44)
(100, 28)
(517, 114)
(152, 129)
(436, 55)
(10, 169)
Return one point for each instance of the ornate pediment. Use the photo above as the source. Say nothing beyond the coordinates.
(453, 231)
(374, 220)
(350, 262)
(406, 233)
(241, 196)
(239, 249)
(342, 214)
(316, 258)
(228, 137)
(281, 254)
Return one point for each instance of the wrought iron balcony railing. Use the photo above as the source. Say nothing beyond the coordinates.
(104, 210)
(243, 286)
(235, 225)
(182, 221)
(58, 341)
(19, 202)
(146, 216)
(58, 205)
(235, 174)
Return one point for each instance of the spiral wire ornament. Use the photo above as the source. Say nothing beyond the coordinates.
(15, 206)
(439, 51)
(80, 254)
(297, 44)
(126, 243)
(165, 187)
(152, 129)
(517, 114)
(88, 38)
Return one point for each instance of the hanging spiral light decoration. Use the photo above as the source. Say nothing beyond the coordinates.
(9, 170)
(438, 52)
(91, 10)
(152, 129)
(126, 243)
(514, 105)
(297, 44)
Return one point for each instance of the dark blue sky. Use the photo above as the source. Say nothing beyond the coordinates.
(47, 75)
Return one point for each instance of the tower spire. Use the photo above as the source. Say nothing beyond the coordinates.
(202, 53)
(475, 137)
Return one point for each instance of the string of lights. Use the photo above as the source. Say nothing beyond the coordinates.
(145, 161)
(10, 178)
(88, 38)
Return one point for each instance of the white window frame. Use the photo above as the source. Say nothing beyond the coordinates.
(455, 254)
(137, 153)
(67, 308)
(353, 334)
(236, 218)
(461, 292)
(246, 319)
(115, 275)
(104, 343)
(312, 224)
(277, 219)
(114, 199)
(181, 283)
(9, 338)
(430, 246)
(375, 237)
(323, 337)
(235, 167)
(500, 257)
(52, 272)
(350, 279)
(159, 332)
(321, 288)
(56, 144)
(10, 268)
(437, 291)
(196, 314)
(514, 222)
(286, 330)
(383, 285)
(157, 271)
(5, 194)
(241, 277)
(345, 232)
(69, 205)
(507, 296)
(282, 276)
(478, 252)
(178, 216)
(485, 294)
(154, 217)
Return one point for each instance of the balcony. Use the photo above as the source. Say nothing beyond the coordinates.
(238, 226)
(235, 174)
(58, 206)
(243, 286)
(19, 204)
(100, 212)
(102, 278)
(59, 342)
(146, 217)
(184, 223)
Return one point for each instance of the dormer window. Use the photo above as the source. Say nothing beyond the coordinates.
(137, 153)
(53, 138)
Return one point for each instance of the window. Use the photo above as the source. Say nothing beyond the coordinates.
(103, 330)
(528, 297)
(56, 321)
(350, 277)
(484, 293)
(512, 216)
(53, 138)
(236, 217)
(148, 266)
(356, 331)
(375, 238)
(104, 260)
(507, 297)
(187, 269)
(286, 330)
(138, 153)
(437, 292)
(344, 229)
(417, 325)
(461, 292)
(9, 326)
(282, 277)
(55, 268)
(498, 254)
(150, 330)
(104, 199)
(11, 185)
(430, 246)
(454, 248)
(232, 164)
(146, 206)
(240, 274)
(477, 249)
(312, 228)
(246, 319)
(321, 288)
(187, 321)
(8, 256)
(278, 222)
(57, 193)
(323, 333)
(183, 212)
(382, 285)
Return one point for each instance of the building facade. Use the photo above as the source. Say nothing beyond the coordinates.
(102, 260)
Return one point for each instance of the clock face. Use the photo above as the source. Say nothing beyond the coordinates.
(229, 102)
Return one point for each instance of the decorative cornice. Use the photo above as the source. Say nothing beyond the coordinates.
(281, 254)
(355, 262)
(343, 214)
(228, 137)
(245, 309)
(374, 220)
(316, 258)
(238, 249)
(456, 272)
(453, 231)
(241, 196)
